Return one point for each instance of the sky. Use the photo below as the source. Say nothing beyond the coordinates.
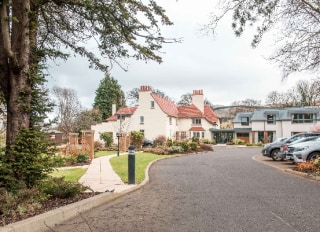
(225, 67)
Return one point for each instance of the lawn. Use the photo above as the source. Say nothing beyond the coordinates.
(72, 174)
(142, 160)
(104, 153)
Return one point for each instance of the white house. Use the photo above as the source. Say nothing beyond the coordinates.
(156, 116)
(269, 124)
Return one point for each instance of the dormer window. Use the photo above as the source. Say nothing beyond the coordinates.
(271, 119)
(244, 121)
(152, 104)
(196, 121)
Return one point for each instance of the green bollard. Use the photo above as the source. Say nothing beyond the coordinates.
(131, 165)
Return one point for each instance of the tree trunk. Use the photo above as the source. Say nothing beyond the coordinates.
(15, 79)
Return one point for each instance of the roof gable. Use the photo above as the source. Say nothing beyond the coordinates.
(166, 105)
(190, 111)
(122, 111)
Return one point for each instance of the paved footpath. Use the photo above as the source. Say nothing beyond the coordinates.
(100, 176)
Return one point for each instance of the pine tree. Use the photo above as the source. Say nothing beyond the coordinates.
(109, 92)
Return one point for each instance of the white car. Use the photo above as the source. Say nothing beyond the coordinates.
(307, 151)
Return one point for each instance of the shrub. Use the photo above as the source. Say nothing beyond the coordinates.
(57, 187)
(30, 160)
(159, 141)
(193, 146)
(20, 202)
(307, 167)
(206, 147)
(107, 138)
(184, 144)
(195, 139)
(175, 149)
(157, 150)
(82, 158)
(59, 161)
(205, 141)
(137, 139)
(98, 145)
(260, 144)
(169, 142)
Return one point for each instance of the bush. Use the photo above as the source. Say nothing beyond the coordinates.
(175, 149)
(157, 150)
(307, 167)
(30, 160)
(59, 161)
(107, 138)
(169, 142)
(195, 139)
(193, 146)
(206, 147)
(205, 141)
(57, 187)
(20, 202)
(159, 141)
(98, 145)
(82, 158)
(137, 139)
(184, 144)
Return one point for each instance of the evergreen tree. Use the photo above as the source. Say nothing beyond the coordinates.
(109, 92)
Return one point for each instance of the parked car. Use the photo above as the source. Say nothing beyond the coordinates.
(147, 143)
(286, 154)
(272, 149)
(307, 151)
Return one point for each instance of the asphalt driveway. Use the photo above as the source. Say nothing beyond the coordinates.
(224, 190)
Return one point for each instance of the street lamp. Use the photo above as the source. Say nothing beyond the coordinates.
(118, 136)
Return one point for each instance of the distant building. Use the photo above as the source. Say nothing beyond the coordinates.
(266, 125)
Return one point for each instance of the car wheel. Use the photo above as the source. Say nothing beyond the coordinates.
(275, 155)
(313, 156)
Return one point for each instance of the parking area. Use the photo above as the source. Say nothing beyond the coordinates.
(284, 165)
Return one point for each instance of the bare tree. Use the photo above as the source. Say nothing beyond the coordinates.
(305, 93)
(132, 97)
(297, 43)
(68, 107)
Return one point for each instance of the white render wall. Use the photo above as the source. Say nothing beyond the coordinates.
(155, 120)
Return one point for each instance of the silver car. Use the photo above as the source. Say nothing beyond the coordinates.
(307, 151)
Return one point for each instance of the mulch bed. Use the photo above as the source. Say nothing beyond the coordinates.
(47, 205)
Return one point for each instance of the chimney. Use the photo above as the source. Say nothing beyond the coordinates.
(197, 99)
(145, 88)
(114, 109)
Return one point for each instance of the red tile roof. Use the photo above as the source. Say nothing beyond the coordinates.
(169, 108)
(166, 105)
(210, 115)
(125, 111)
(189, 112)
(196, 128)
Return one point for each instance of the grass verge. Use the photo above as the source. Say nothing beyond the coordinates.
(72, 174)
(103, 153)
(142, 160)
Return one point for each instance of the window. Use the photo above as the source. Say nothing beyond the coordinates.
(244, 121)
(303, 118)
(170, 121)
(271, 119)
(202, 134)
(141, 120)
(196, 134)
(196, 121)
(152, 104)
